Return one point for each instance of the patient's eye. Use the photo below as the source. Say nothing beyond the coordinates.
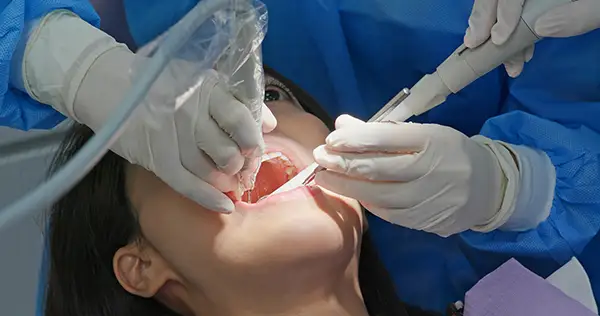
(276, 91)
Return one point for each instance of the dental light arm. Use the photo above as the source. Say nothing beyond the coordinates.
(465, 65)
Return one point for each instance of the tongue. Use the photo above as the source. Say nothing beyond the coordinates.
(272, 174)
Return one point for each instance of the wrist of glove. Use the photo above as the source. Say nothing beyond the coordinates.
(200, 150)
(421, 176)
(498, 19)
(509, 187)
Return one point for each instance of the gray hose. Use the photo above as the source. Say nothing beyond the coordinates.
(70, 174)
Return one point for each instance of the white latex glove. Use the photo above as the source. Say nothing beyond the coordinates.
(499, 18)
(200, 150)
(421, 176)
(571, 19)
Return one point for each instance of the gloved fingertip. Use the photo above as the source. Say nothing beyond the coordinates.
(269, 121)
(327, 160)
(512, 70)
(529, 53)
(222, 205)
(345, 119)
(226, 206)
(469, 39)
(225, 211)
(334, 141)
(319, 152)
(233, 166)
(499, 35)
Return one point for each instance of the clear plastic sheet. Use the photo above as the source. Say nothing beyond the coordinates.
(223, 35)
(228, 42)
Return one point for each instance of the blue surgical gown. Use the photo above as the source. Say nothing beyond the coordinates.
(353, 55)
(17, 109)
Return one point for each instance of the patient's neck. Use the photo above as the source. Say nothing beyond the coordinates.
(302, 290)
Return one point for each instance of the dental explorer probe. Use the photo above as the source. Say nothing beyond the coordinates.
(308, 174)
(460, 69)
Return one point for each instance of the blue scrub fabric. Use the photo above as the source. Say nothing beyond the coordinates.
(17, 109)
(354, 55)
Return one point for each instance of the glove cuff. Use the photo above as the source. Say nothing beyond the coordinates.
(536, 190)
(510, 184)
(58, 55)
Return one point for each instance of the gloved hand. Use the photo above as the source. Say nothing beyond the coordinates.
(421, 176)
(200, 150)
(499, 18)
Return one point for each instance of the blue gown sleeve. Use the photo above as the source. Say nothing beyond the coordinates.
(574, 217)
(17, 109)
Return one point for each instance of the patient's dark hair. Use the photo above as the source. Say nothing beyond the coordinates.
(91, 222)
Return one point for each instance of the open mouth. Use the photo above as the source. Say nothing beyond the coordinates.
(276, 169)
(283, 160)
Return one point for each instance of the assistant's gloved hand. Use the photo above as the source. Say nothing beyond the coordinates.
(499, 18)
(421, 176)
(200, 150)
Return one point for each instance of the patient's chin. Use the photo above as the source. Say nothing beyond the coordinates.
(330, 226)
(326, 228)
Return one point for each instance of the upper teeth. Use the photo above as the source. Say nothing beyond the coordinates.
(273, 155)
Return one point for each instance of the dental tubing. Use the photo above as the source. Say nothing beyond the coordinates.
(91, 153)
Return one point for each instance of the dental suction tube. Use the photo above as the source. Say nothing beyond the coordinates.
(466, 65)
(91, 153)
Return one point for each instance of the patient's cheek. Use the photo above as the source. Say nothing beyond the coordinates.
(303, 128)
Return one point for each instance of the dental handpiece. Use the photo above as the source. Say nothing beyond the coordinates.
(466, 65)
(460, 69)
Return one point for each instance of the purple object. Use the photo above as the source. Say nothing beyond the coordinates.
(512, 290)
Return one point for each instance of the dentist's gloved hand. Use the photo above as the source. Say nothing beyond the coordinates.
(200, 150)
(499, 18)
(421, 176)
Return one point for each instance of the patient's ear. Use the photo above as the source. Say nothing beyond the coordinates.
(141, 270)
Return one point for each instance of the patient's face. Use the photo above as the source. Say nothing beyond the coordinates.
(262, 246)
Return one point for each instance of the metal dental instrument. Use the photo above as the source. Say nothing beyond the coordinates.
(308, 174)
(460, 69)
(378, 117)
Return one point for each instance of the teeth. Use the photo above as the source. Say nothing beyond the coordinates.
(273, 155)
(290, 171)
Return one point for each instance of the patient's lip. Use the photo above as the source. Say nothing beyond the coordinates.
(298, 155)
